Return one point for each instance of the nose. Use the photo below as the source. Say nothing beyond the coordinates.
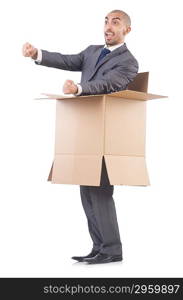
(108, 27)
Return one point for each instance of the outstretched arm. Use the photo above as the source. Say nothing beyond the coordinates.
(70, 62)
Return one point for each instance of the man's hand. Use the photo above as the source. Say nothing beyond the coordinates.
(29, 51)
(70, 87)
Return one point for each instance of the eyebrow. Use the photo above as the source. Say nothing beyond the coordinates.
(106, 18)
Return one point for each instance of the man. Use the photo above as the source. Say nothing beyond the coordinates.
(105, 69)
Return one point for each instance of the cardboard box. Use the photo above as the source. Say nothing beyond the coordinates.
(112, 126)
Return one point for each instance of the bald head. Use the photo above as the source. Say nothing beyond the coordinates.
(125, 17)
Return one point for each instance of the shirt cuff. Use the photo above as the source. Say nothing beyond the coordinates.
(39, 56)
(79, 90)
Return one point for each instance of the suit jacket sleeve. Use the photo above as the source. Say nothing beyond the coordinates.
(72, 62)
(114, 80)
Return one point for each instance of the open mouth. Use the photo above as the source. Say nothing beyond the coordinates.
(109, 35)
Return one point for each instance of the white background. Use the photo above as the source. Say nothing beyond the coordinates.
(41, 224)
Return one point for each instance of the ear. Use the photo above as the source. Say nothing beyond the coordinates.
(128, 29)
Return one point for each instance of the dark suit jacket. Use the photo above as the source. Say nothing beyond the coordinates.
(113, 73)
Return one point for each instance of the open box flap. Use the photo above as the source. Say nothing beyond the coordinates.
(126, 170)
(125, 94)
(76, 169)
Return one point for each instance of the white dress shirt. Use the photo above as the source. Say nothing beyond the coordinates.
(111, 48)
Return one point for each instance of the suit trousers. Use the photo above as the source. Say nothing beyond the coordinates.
(99, 207)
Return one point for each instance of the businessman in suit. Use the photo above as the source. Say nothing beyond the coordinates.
(105, 69)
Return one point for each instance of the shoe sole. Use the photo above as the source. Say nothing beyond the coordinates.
(78, 260)
(81, 259)
(105, 261)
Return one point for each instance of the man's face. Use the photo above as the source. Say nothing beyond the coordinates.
(115, 29)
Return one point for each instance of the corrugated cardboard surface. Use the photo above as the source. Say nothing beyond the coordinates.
(125, 126)
(77, 169)
(79, 141)
(112, 126)
(133, 95)
(140, 82)
(86, 170)
(127, 170)
(79, 126)
(90, 128)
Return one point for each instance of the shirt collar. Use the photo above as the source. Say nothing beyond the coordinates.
(111, 48)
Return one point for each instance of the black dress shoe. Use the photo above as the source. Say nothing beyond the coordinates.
(101, 258)
(93, 253)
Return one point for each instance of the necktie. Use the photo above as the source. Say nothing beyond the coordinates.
(103, 53)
